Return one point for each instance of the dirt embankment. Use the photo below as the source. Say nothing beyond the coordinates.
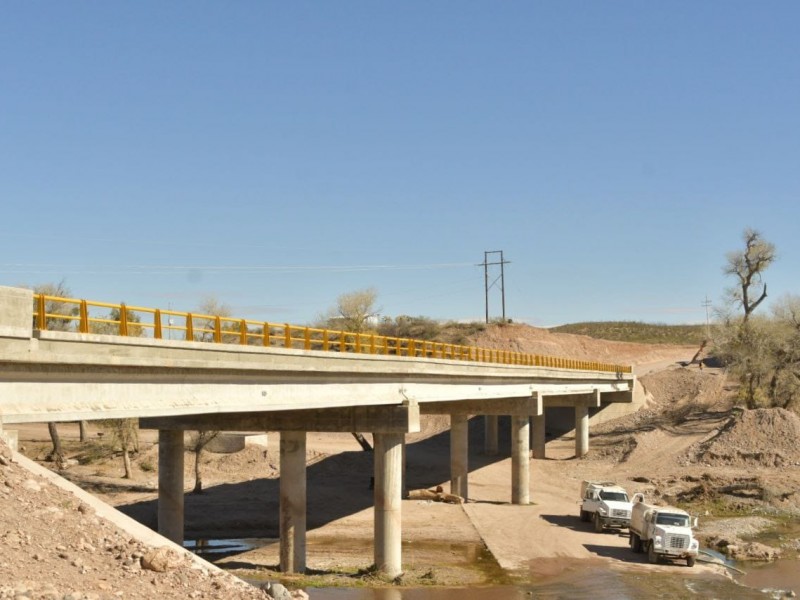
(52, 545)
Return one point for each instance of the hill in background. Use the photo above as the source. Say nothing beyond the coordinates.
(635, 331)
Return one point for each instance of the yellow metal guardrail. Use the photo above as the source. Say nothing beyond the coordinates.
(70, 314)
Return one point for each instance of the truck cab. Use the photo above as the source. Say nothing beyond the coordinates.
(664, 532)
(605, 504)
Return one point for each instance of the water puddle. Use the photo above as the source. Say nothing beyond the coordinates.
(213, 549)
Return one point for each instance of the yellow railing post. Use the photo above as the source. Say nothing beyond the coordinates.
(217, 330)
(41, 309)
(189, 327)
(307, 338)
(265, 334)
(243, 332)
(83, 325)
(325, 340)
(123, 320)
(157, 324)
(287, 335)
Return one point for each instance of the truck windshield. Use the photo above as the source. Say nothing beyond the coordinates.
(675, 520)
(617, 496)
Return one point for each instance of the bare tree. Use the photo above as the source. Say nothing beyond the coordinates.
(53, 307)
(353, 311)
(747, 344)
(748, 267)
(212, 307)
(125, 437)
(198, 441)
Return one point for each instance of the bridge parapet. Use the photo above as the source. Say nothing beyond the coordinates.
(51, 313)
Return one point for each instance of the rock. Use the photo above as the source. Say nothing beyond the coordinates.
(32, 485)
(277, 591)
(752, 551)
(161, 560)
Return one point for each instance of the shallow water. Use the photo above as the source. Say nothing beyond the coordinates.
(780, 574)
(575, 582)
(594, 583)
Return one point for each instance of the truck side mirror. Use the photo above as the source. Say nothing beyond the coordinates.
(694, 521)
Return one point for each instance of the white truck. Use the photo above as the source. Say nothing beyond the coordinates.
(663, 532)
(605, 504)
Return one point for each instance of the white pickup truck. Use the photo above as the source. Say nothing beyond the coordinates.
(663, 532)
(605, 504)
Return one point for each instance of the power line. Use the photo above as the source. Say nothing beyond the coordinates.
(23, 268)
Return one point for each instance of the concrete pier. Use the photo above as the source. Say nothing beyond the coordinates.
(459, 455)
(388, 455)
(170, 484)
(520, 460)
(293, 502)
(490, 434)
(538, 436)
(581, 431)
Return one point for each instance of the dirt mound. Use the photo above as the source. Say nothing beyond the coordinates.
(767, 437)
(524, 338)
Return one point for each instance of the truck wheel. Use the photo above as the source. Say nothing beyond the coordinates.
(690, 561)
(636, 543)
(598, 523)
(585, 516)
(652, 557)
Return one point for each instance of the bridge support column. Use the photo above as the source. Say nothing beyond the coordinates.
(520, 460)
(293, 502)
(388, 456)
(537, 437)
(581, 431)
(459, 455)
(170, 484)
(490, 434)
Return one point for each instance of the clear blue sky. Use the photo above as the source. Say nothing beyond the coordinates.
(277, 154)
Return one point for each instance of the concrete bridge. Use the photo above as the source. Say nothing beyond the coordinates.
(381, 386)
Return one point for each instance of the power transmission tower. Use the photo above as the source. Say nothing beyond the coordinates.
(486, 264)
(707, 303)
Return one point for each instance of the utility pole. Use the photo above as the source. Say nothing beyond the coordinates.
(486, 264)
(707, 303)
